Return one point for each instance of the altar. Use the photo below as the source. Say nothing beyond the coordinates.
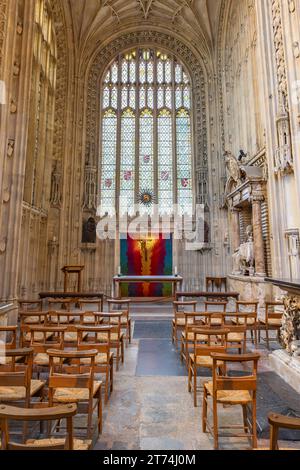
(175, 280)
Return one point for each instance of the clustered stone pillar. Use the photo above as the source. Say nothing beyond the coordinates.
(258, 241)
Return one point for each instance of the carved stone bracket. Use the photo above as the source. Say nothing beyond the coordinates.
(290, 330)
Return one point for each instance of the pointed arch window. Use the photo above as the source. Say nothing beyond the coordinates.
(146, 133)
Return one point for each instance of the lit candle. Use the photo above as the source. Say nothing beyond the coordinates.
(119, 271)
(176, 272)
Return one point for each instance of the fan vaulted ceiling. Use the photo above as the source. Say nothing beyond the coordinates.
(95, 20)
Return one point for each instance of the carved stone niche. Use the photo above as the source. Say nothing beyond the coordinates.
(245, 193)
(88, 240)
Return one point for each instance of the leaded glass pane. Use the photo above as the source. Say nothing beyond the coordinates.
(142, 98)
(124, 71)
(186, 98)
(178, 97)
(168, 102)
(142, 72)
(127, 162)
(114, 97)
(114, 73)
(106, 96)
(178, 73)
(168, 72)
(132, 72)
(108, 159)
(165, 160)
(160, 72)
(132, 97)
(146, 181)
(150, 71)
(150, 97)
(125, 103)
(184, 160)
(160, 98)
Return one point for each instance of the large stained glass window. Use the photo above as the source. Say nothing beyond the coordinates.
(146, 134)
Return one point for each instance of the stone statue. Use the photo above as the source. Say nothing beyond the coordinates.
(243, 257)
(89, 231)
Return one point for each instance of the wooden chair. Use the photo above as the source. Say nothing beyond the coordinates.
(31, 305)
(114, 319)
(237, 337)
(250, 308)
(74, 382)
(16, 383)
(65, 304)
(216, 284)
(272, 321)
(277, 422)
(8, 337)
(42, 413)
(43, 338)
(192, 320)
(96, 303)
(206, 341)
(231, 390)
(26, 321)
(88, 339)
(68, 319)
(216, 306)
(178, 322)
(124, 305)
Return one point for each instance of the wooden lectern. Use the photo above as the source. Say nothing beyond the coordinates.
(70, 269)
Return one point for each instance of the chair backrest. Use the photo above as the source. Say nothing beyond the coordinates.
(73, 374)
(36, 317)
(65, 302)
(222, 381)
(97, 303)
(216, 284)
(98, 337)
(210, 340)
(183, 306)
(45, 337)
(108, 316)
(217, 305)
(8, 337)
(274, 310)
(278, 422)
(247, 307)
(61, 318)
(30, 305)
(42, 413)
(121, 304)
(13, 374)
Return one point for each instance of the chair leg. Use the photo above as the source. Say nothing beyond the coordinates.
(267, 337)
(122, 351)
(246, 429)
(195, 384)
(112, 375)
(100, 412)
(273, 437)
(129, 331)
(107, 384)
(204, 410)
(254, 430)
(90, 419)
(255, 336)
(190, 376)
(215, 423)
(118, 357)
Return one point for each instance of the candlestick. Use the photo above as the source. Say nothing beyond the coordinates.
(175, 271)
(119, 271)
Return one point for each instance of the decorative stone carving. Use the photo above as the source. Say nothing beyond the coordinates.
(290, 330)
(56, 186)
(3, 7)
(90, 188)
(243, 257)
(10, 147)
(89, 231)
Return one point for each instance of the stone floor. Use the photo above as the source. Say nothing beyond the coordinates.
(151, 408)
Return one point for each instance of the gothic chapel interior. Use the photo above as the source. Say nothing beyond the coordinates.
(150, 224)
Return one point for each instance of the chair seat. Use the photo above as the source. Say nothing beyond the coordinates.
(216, 322)
(203, 361)
(61, 319)
(241, 321)
(33, 320)
(38, 336)
(78, 444)
(230, 397)
(42, 359)
(67, 395)
(115, 321)
(102, 337)
(8, 393)
(101, 358)
(191, 337)
(236, 337)
(272, 322)
(71, 336)
(181, 321)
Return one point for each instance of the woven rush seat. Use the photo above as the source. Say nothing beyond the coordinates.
(9, 393)
(215, 322)
(181, 321)
(241, 321)
(71, 336)
(42, 359)
(78, 444)
(38, 336)
(203, 361)
(61, 319)
(272, 322)
(115, 321)
(193, 336)
(66, 395)
(236, 337)
(102, 337)
(32, 320)
(101, 358)
(232, 397)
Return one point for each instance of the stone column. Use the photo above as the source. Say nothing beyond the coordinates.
(235, 229)
(258, 242)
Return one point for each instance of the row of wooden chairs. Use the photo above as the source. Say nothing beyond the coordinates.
(272, 320)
